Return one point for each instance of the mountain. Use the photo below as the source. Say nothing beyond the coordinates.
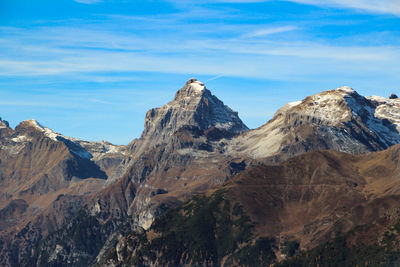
(269, 213)
(194, 119)
(38, 167)
(339, 119)
(171, 159)
(179, 154)
(193, 106)
(191, 146)
(165, 166)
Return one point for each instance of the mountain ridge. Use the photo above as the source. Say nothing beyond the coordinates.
(338, 119)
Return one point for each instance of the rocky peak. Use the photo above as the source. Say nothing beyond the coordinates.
(32, 126)
(338, 119)
(331, 107)
(4, 124)
(193, 106)
(192, 88)
(31, 123)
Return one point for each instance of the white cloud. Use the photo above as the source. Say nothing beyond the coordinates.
(382, 6)
(373, 6)
(269, 31)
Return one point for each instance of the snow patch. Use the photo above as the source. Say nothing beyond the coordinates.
(198, 86)
(82, 153)
(325, 106)
(20, 138)
(47, 131)
(293, 104)
(288, 106)
(346, 89)
(388, 109)
(379, 99)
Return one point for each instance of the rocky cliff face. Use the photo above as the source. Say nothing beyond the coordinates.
(193, 106)
(194, 119)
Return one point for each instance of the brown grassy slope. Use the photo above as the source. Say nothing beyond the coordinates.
(314, 196)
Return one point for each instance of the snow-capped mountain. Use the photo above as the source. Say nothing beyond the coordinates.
(193, 107)
(339, 119)
(191, 124)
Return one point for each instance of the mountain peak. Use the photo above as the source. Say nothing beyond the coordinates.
(346, 89)
(338, 119)
(195, 84)
(193, 105)
(34, 125)
(192, 88)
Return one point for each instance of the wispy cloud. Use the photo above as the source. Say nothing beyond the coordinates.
(214, 78)
(269, 31)
(169, 44)
(382, 6)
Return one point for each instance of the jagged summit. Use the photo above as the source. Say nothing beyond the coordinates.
(4, 124)
(192, 86)
(195, 106)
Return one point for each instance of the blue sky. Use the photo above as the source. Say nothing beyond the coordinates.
(92, 68)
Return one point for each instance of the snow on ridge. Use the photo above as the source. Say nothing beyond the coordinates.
(288, 106)
(388, 109)
(34, 123)
(294, 103)
(47, 131)
(346, 89)
(83, 152)
(379, 99)
(198, 86)
(325, 106)
(382, 109)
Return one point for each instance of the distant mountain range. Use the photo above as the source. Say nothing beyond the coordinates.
(199, 188)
